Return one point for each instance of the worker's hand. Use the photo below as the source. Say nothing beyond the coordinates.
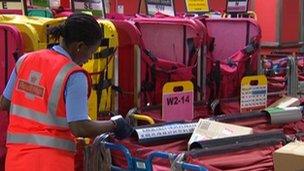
(123, 128)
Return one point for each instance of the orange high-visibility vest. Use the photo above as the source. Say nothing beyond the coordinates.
(38, 134)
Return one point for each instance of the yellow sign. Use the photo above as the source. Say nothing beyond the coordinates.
(261, 80)
(197, 5)
(177, 101)
(186, 86)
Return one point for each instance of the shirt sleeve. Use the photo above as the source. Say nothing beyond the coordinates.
(8, 91)
(76, 97)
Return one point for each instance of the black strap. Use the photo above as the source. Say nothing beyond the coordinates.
(117, 89)
(248, 70)
(103, 84)
(150, 55)
(17, 54)
(250, 49)
(105, 42)
(217, 77)
(184, 44)
(155, 59)
(211, 44)
(192, 51)
(231, 63)
(105, 53)
(148, 85)
(99, 87)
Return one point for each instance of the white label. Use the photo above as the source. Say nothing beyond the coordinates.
(163, 6)
(237, 5)
(120, 9)
(165, 130)
(140, 165)
(301, 86)
(253, 96)
(54, 3)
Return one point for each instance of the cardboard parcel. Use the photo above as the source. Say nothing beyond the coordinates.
(289, 157)
(208, 129)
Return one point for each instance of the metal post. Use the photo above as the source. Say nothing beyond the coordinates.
(292, 88)
(137, 75)
(204, 74)
(260, 65)
(115, 80)
(198, 77)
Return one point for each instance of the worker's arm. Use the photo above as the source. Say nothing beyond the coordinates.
(77, 112)
(88, 128)
(5, 98)
(4, 103)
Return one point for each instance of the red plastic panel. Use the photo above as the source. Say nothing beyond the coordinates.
(259, 158)
(217, 5)
(130, 7)
(291, 21)
(129, 36)
(65, 3)
(267, 18)
(10, 43)
(11, 11)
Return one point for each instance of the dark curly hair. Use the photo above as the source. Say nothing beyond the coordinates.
(78, 27)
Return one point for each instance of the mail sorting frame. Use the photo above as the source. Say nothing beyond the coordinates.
(268, 133)
(195, 25)
(291, 73)
(138, 52)
(236, 143)
(147, 164)
(293, 82)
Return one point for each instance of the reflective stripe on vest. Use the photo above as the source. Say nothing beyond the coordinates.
(50, 118)
(19, 62)
(39, 117)
(42, 140)
(56, 88)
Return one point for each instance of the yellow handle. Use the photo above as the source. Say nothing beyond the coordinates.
(143, 118)
(262, 80)
(185, 85)
(252, 14)
(224, 15)
(86, 140)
